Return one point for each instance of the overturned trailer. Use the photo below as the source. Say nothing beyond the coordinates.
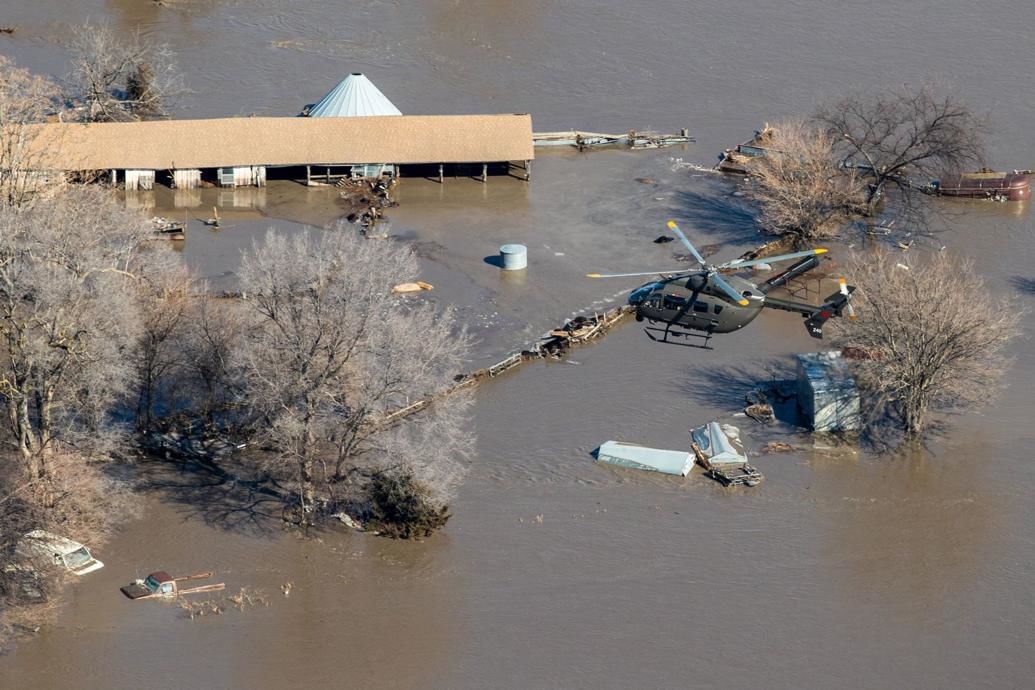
(642, 458)
(719, 451)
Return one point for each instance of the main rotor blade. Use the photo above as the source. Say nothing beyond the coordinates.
(737, 263)
(627, 275)
(679, 233)
(716, 279)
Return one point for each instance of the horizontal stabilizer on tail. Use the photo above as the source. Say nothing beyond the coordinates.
(834, 305)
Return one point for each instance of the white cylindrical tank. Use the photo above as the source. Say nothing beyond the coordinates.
(514, 257)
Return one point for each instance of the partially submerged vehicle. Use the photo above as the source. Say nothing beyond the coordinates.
(741, 160)
(643, 458)
(167, 229)
(43, 549)
(161, 584)
(986, 184)
(720, 453)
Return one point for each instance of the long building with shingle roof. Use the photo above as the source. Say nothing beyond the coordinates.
(239, 142)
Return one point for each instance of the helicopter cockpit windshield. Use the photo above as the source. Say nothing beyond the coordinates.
(638, 295)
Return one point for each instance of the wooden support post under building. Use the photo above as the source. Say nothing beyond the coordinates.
(307, 176)
(485, 172)
(528, 171)
(441, 179)
(114, 177)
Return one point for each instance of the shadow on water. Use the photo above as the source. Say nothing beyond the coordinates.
(494, 260)
(715, 213)
(221, 499)
(1023, 284)
(731, 386)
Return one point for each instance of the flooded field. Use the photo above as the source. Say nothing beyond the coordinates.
(839, 570)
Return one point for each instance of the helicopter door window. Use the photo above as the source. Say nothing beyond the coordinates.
(701, 307)
(717, 309)
(674, 302)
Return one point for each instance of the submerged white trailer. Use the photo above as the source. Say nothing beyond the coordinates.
(643, 458)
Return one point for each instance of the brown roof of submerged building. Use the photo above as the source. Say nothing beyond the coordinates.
(239, 141)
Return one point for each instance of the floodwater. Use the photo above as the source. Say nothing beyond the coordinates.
(840, 570)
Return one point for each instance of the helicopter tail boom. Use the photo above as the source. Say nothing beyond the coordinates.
(834, 305)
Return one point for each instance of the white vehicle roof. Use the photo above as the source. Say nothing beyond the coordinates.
(41, 539)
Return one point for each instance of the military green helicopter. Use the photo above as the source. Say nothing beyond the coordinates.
(703, 299)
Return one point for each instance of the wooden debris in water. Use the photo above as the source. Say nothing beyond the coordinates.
(760, 412)
(248, 597)
(416, 286)
(195, 608)
(632, 139)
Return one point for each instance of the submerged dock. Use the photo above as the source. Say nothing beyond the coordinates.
(553, 345)
(632, 139)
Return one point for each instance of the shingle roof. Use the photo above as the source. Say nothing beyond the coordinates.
(354, 96)
(225, 142)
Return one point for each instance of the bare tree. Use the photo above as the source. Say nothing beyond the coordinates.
(330, 352)
(115, 79)
(68, 317)
(801, 191)
(895, 136)
(214, 331)
(25, 99)
(166, 302)
(928, 339)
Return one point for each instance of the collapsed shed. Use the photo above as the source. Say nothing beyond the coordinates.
(827, 394)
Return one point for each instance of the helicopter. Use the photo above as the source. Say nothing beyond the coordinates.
(703, 299)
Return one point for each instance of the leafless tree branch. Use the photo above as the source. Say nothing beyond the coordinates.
(930, 338)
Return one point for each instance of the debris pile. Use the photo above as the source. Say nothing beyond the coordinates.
(577, 331)
(366, 200)
(190, 442)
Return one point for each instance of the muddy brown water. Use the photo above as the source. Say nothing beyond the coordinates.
(841, 570)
